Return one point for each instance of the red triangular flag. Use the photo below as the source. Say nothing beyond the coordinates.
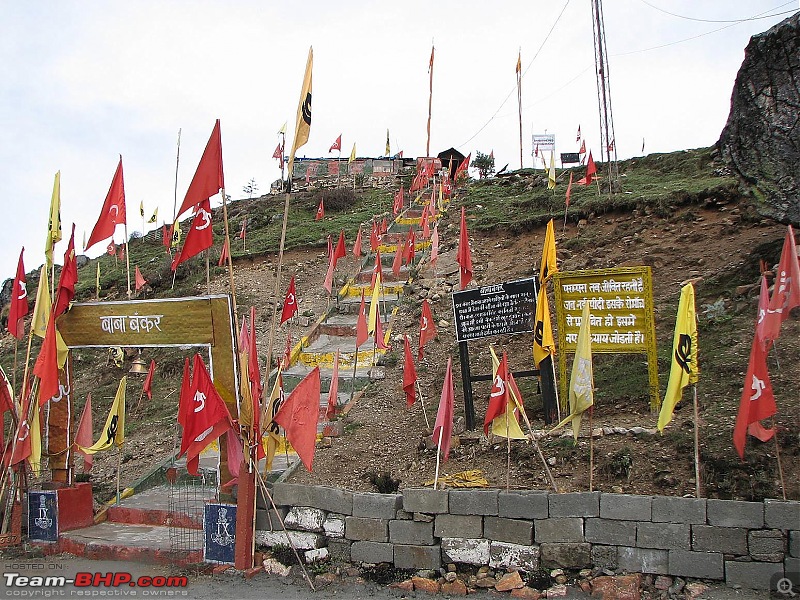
(398, 202)
(409, 249)
(427, 328)
(380, 343)
(443, 428)
(337, 144)
(140, 280)
(298, 416)
(83, 437)
(208, 178)
(464, 257)
(22, 446)
(147, 388)
(374, 238)
(357, 251)
(434, 244)
(113, 211)
(223, 256)
(328, 283)
(290, 302)
(341, 250)
(786, 292)
(278, 153)
(121, 252)
(757, 400)
(19, 302)
(362, 331)
(320, 210)
(409, 373)
(591, 169)
(377, 268)
(67, 279)
(498, 397)
(383, 228)
(200, 236)
(256, 388)
(398, 261)
(333, 392)
(46, 367)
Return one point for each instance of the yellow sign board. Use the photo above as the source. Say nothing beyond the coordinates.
(620, 313)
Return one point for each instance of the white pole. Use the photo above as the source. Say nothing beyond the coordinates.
(438, 449)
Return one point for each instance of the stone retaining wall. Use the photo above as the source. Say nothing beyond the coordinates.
(750, 544)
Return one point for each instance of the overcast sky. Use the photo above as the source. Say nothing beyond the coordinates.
(85, 81)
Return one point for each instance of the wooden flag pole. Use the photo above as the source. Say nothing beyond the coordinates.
(175, 198)
(230, 260)
(539, 451)
(697, 486)
(127, 259)
(208, 274)
(355, 366)
(508, 453)
(591, 448)
(119, 468)
(438, 456)
(778, 457)
(14, 372)
(422, 402)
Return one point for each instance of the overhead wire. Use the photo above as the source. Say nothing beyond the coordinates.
(754, 18)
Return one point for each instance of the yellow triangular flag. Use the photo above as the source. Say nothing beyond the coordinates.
(282, 130)
(373, 305)
(543, 343)
(41, 310)
(54, 224)
(303, 126)
(352, 154)
(35, 457)
(388, 148)
(114, 429)
(507, 425)
(551, 177)
(581, 383)
(548, 266)
(684, 369)
(272, 429)
(154, 218)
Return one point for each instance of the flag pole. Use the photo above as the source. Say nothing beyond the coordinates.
(119, 468)
(14, 372)
(591, 448)
(208, 275)
(539, 451)
(519, 105)
(778, 457)
(127, 259)
(696, 443)
(422, 402)
(355, 365)
(230, 261)
(438, 452)
(175, 196)
(430, 103)
(508, 453)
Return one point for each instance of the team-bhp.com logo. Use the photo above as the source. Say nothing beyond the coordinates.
(97, 580)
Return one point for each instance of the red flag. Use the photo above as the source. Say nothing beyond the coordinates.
(591, 169)
(166, 236)
(46, 367)
(68, 278)
(409, 249)
(374, 237)
(786, 292)
(206, 416)
(409, 373)
(762, 321)
(569, 188)
(380, 343)
(462, 168)
(278, 153)
(256, 389)
(427, 328)
(443, 428)
(140, 280)
(223, 256)
(147, 388)
(757, 400)
(398, 201)
(290, 302)
(83, 437)
(112, 249)
(426, 229)
(19, 302)
(383, 228)
(362, 331)
(320, 210)
(328, 283)
(22, 449)
(243, 230)
(435, 244)
(398, 261)
(341, 250)
(208, 178)
(113, 211)
(498, 397)
(377, 269)
(333, 392)
(357, 252)
(583, 147)
(121, 252)
(611, 146)
(298, 416)
(337, 144)
(464, 258)
(200, 236)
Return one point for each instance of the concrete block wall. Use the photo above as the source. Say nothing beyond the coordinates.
(750, 544)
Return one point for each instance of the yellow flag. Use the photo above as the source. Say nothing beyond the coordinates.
(548, 266)
(282, 130)
(35, 458)
(388, 148)
(114, 429)
(373, 305)
(507, 425)
(543, 344)
(41, 310)
(519, 63)
(154, 218)
(684, 367)
(141, 208)
(54, 225)
(551, 176)
(352, 154)
(271, 428)
(303, 127)
(581, 383)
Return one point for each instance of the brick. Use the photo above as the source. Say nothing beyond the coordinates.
(674, 509)
(794, 544)
(411, 532)
(371, 552)
(643, 560)
(405, 516)
(782, 514)
(508, 530)
(567, 529)
(267, 520)
(305, 518)
(469, 551)
(473, 502)
(425, 500)
(523, 505)
(504, 555)
(667, 536)
(702, 565)
(291, 494)
(752, 575)
(333, 526)
(766, 545)
(735, 513)
(575, 504)
(339, 550)
(565, 556)
(302, 540)
(610, 532)
(618, 587)
(604, 556)
(377, 506)
(728, 540)
(458, 526)
(417, 557)
(332, 499)
(626, 507)
(366, 529)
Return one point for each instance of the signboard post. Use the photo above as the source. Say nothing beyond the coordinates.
(503, 309)
(621, 316)
(545, 142)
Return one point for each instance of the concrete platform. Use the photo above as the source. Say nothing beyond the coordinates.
(152, 507)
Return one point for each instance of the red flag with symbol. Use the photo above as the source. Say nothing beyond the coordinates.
(443, 427)
(498, 397)
(290, 302)
(19, 302)
(409, 373)
(757, 401)
(278, 154)
(298, 416)
(427, 328)
(337, 144)
(786, 292)
(320, 211)
(139, 278)
(208, 179)
(464, 257)
(113, 211)
(200, 236)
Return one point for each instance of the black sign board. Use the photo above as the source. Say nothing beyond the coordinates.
(568, 158)
(502, 309)
(219, 531)
(43, 516)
